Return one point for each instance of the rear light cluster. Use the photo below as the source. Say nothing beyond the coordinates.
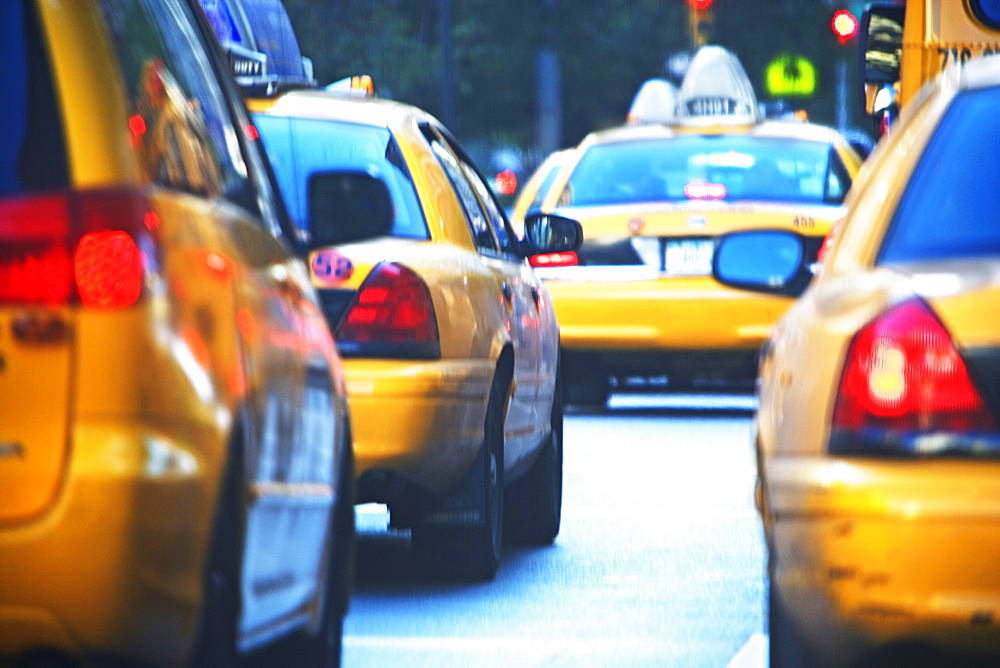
(567, 259)
(904, 380)
(392, 315)
(72, 248)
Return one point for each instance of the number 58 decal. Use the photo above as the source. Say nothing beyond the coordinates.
(329, 267)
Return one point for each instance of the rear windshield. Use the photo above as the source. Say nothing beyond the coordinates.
(723, 167)
(299, 148)
(953, 211)
(32, 148)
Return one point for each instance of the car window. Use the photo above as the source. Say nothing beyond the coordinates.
(987, 11)
(711, 166)
(951, 213)
(181, 123)
(543, 188)
(32, 146)
(300, 148)
(494, 211)
(479, 221)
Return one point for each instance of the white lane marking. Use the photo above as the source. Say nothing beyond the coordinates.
(753, 654)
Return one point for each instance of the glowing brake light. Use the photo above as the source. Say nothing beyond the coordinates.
(903, 374)
(57, 249)
(392, 315)
(705, 191)
(567, 259)
(108, 269)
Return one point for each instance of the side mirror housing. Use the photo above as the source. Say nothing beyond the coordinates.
(549, 233)
(771, 261)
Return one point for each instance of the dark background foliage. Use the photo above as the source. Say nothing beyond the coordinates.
(605, 49)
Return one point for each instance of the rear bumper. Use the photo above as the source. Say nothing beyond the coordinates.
(421, 421)
(662, 314)
(867, 554)
(114, 567)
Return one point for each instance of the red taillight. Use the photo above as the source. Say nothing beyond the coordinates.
(567, 259)
(108, 269)
(55, 248)
(392, 315)
(824, 248)
(903, 373)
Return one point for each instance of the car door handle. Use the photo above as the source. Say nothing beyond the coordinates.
(536, 296)
(507, 292)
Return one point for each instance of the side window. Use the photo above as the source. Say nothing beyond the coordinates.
(987, 11)
(181, 124)
(32, 146)
(493, 210)
(482, 228)
(838, 182)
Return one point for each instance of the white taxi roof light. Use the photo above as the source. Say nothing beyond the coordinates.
(655, 102)
(716, 90)
(358, 86)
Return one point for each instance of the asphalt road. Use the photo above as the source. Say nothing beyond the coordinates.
(660, 561)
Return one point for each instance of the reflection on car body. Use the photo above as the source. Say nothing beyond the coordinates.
(175, 467)
(877, 433)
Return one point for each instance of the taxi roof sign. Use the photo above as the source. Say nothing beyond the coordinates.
(655, 102)
(261, 45)
(716, 90)
(358, 86)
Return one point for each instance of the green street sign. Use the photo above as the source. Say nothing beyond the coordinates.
(789, 75)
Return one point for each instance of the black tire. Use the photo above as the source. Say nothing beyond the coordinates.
(786, 648)
(325, 650)
(472, 552)
(533, 509)
(587, 390)
(215, 644)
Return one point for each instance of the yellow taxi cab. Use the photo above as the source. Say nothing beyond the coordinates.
(175, 459)
(877, 433)
(638, 298)
(450, 342)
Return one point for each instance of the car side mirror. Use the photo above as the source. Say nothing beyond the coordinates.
(772, 261)
(347, 206)
(548, 233)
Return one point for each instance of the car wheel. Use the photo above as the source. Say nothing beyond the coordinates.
(587, 390)
(325, 650)
(215, 644)
(533, 509)
(461, 550)
(786, 647)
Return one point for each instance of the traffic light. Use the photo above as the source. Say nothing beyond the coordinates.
(844, 24)
(700, 19)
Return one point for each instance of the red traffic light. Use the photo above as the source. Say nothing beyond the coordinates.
(505, 182)
(844, 24)
(700, 5)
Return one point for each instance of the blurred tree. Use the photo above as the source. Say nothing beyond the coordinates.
(607, 48)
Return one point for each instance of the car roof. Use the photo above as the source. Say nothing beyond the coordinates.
(330, 106)
(774, 129)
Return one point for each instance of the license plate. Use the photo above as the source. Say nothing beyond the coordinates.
(691, 257)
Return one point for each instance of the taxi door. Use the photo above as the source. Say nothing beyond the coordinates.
(239, 302)
(526, 420)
